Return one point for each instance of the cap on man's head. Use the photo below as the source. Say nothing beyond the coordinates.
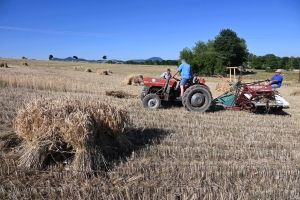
(278, 71)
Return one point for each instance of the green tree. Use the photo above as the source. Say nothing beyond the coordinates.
(257, 62)
(293, 63)
(231, 47)
(50, 57)
(75, 57)
(187, 55)
(271, 61)
(104, 57)
(283, 62)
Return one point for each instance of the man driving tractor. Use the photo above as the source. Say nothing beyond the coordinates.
(186, 75)
(277, 79)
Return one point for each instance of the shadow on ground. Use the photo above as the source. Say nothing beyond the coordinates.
(218, 108)
(139, 139)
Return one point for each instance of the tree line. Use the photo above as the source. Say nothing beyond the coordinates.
(228, 50)
(271, 62)
(155, 62)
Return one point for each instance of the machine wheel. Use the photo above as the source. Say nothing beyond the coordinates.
(197, 98)
(151, 101)
(142, 96)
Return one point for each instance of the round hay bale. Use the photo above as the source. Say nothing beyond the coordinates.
(76, 68)
(24, 63)
(133, 79)
(109, 71)
(88, 70)
(54, 131)
(100, 72)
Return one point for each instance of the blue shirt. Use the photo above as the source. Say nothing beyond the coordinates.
(185, 70)
(279, 78)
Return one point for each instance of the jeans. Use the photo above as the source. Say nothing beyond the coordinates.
(274, 85)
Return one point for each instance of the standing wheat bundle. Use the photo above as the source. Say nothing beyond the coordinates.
(61, 129)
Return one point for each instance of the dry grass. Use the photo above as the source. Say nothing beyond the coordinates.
(287, 83)
(175, 154)
(295, 92)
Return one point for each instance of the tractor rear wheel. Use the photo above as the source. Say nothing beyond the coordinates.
(151, 101)
(197, 98)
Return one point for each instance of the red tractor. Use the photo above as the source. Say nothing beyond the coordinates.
(197, 96)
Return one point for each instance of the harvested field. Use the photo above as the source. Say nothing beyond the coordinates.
(287, 83)
(295, 92)
(173, 154)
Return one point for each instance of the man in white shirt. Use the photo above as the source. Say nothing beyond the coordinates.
(166, 75)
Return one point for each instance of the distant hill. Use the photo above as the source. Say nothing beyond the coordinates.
(155, 58)
(108, 60)
(69, 59)
(143, 60)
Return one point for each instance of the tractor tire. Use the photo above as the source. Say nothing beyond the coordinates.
(142, 96)
(197, 98)
(151, 101)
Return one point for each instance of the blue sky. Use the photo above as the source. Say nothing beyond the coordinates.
(140, 29)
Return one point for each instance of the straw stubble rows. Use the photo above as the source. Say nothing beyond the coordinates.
(175, 154)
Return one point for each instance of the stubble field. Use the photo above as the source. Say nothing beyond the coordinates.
(176, 154)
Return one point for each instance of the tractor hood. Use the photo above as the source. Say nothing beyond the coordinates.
(157, 82)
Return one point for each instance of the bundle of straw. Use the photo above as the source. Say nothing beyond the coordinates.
(133, 79)
(4, 64)
(100, 72)
(56, 130)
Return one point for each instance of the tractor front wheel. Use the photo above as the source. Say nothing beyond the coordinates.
(197, 98)
(142, 96)
(151, 101)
